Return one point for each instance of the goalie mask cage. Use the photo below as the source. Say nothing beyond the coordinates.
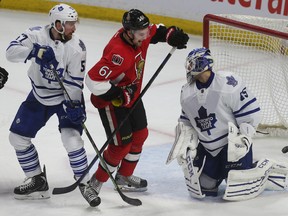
(256, 48)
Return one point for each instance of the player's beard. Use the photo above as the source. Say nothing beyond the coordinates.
(138, 43)
(67, 37)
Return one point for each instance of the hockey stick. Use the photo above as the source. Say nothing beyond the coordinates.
(129, 200)
(70, 188)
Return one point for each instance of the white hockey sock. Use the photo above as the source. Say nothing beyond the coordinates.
(29, 161)
(79, 163)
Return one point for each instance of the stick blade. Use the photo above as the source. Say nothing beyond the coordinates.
(63, 190)
(131, 201)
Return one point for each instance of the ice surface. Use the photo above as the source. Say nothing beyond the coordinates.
(167, 193)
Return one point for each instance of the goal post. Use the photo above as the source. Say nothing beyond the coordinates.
(256, 48)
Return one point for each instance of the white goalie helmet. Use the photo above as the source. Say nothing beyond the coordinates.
(198, 61)
(62, 13)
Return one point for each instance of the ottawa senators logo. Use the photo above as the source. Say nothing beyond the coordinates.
(139, 68)
(117, 59)
(139, 65)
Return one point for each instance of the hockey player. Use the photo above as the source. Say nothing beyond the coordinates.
(3, 77)
(115, 82)
(51, 48)
(214, 134)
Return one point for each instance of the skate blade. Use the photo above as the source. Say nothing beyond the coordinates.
(33, 196)
(125, 188)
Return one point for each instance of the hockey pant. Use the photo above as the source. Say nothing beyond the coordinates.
(124, 156)
(126, 147)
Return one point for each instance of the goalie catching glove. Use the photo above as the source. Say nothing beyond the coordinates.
(239, 140)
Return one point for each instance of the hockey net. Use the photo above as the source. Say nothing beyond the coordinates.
(256, 48)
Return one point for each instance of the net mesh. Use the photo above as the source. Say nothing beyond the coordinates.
(260, 59)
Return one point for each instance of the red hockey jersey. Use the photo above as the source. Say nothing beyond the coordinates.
(120, 64)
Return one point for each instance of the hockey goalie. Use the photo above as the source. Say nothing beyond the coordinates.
(214, 135)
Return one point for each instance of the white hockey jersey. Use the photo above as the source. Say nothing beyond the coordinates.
(71, 56)
(209, 107)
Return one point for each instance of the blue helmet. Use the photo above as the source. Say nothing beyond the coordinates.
(198, 61)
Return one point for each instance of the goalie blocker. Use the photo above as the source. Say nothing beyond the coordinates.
(239, 141)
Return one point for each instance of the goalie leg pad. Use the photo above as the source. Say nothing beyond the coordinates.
(278, 177)
(277, 182)
(192, 176)
(248, 184)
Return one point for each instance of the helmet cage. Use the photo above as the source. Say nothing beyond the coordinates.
(198, 61)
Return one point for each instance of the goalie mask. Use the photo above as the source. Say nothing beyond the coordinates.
(62, 13)
(198, 61)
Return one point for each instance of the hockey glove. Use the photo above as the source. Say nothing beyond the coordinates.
(75, 111)
(125, 97)
(44, 56)
(239, 143)
(3, 77)
(176, 37)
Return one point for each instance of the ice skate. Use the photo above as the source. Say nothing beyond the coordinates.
(90, 194)
(35, 187)
(131, 183)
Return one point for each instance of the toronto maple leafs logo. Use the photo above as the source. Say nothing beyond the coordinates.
(205, 122)
(82, 45)
(49, 75)
(231, 81)
(60, 8)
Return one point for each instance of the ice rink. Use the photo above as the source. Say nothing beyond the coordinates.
(166, 193)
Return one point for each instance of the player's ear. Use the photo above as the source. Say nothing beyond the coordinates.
(58, 26)
(129, 33)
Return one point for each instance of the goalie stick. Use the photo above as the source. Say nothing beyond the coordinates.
(71, 187)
